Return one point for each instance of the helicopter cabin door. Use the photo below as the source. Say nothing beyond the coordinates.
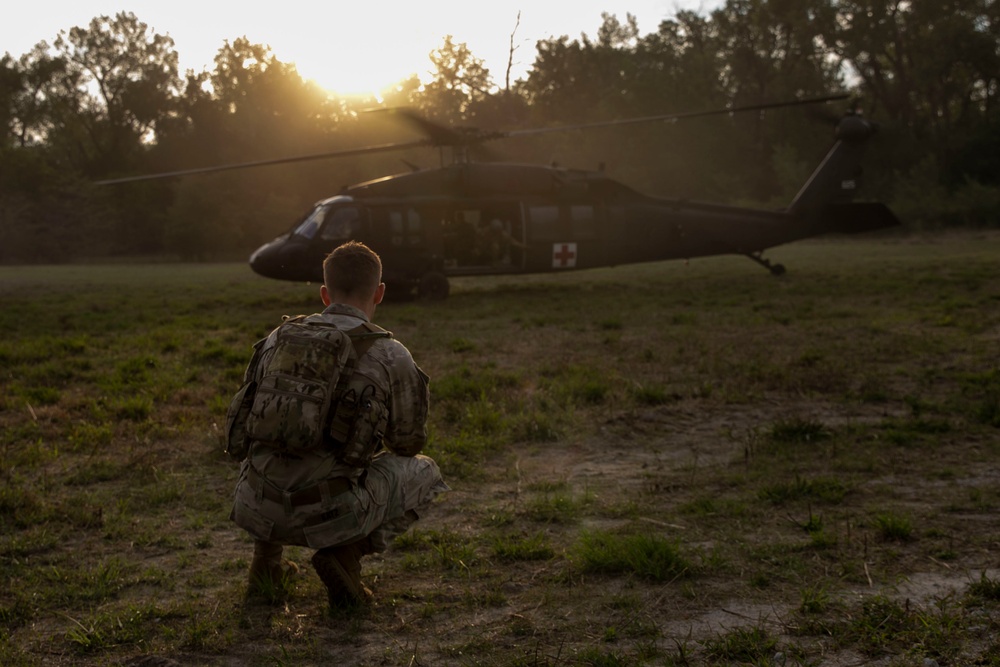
(565, 236)
(483, 237)
(405, 235)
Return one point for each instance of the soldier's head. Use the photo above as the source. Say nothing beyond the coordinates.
(352, 274)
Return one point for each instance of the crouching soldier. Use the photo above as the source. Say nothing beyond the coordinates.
(329, 424)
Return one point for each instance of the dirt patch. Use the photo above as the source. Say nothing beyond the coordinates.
(663, 453)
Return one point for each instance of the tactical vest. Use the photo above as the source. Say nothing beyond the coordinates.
(302, 394)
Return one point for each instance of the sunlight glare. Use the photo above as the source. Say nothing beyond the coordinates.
(350, 62)
(348, 71)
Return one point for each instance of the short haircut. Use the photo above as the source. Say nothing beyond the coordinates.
(352, 269)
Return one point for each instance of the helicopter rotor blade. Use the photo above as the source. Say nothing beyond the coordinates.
(470, 140)
(438, 136)
(383, 148)
(669, 116)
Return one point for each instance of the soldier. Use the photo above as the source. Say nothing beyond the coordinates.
(351, 495)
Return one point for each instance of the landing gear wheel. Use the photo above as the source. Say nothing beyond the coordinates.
(434, 286)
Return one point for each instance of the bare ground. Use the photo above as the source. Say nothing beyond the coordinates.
(544, 614)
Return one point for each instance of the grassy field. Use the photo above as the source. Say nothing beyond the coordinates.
(665, 464)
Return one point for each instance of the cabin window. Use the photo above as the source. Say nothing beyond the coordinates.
(342, 225)
(544, 221)
(405, 228)
(307, 228)
(584, 222)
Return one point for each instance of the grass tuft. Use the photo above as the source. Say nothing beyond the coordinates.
(799, 430)
(646, 556)
(742, 646)
(894, 527)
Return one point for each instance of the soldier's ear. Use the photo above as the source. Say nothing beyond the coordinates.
(325, 295)
(379, 293)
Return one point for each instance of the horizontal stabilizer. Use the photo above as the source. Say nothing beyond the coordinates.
(855, 218)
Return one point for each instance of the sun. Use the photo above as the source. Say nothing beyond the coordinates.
(358, 61)
(348, 71)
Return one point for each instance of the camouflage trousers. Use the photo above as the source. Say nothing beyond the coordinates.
(385, 501)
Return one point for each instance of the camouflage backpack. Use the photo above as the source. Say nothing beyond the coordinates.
(304, 398)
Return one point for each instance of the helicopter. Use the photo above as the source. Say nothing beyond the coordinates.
(472, 218)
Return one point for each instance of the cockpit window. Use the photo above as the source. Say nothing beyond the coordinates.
(342, 225)
(307, 229)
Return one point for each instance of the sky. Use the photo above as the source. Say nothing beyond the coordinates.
(348, 48)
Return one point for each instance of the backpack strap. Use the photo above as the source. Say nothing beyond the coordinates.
(357, 435)
(364, 336)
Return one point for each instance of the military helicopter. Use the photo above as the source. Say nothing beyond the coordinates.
(469, 218)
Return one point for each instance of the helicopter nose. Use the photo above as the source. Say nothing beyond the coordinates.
(269, 261)
(288, 258)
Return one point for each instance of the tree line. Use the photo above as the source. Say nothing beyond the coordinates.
(107, 100)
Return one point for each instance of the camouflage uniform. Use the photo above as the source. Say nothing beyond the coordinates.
(308, 498)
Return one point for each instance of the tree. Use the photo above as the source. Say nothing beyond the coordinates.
(42, 97)
(11, 87)
(127, 80)
(459, 82)
(584, 79)
(930, 69)
(252, 106)
(927, 64)
(773, 50)
(679, 66)
(46, 213)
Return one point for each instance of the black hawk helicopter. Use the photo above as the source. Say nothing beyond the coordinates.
(469, 218)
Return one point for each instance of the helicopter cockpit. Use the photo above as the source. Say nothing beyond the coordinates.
(300, 252)
(334, 219)
(307, 228)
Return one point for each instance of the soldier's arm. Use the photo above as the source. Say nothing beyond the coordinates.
(409, 398)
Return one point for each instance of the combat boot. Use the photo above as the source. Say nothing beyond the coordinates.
(339, 568)
(268, 573)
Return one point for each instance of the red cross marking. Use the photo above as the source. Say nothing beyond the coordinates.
(564, 255)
